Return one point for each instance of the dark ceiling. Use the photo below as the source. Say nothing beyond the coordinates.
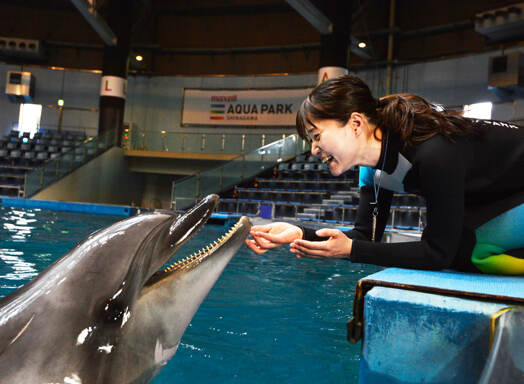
(200, 37)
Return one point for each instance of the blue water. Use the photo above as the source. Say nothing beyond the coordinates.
(270, 318)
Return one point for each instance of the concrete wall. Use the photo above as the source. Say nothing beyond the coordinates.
(105, 179)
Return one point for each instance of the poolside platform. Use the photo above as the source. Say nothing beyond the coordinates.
(97, 209)
(427, 326)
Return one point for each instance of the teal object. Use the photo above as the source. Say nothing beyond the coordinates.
(366, 177)
(428, 326)
(415, 337)
(64, 206)
(508, 287)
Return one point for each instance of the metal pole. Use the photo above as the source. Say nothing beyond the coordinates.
(173, 198)
(263, 142)
(60, 114)
(197, 187)
(243, 143)
(143, 136)
(164, 144)
(221, 181)
(203, 146)
(390, 45)
(223, 143)
(243, 167)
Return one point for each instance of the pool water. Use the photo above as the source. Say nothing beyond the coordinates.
(271, 318)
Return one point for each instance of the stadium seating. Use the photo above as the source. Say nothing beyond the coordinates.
(304, 189)
(19, 153)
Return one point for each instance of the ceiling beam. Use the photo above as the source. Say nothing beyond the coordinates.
(323, 25)
(96, 21)
(313, 15)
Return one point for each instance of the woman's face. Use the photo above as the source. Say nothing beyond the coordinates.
(336, 145)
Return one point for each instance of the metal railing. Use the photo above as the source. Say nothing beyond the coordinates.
(54, 169)
(198, 142)
(190, 189)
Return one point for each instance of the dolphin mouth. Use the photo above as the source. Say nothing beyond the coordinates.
(201, 255)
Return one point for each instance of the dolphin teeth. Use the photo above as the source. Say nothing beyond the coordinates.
(198, 256)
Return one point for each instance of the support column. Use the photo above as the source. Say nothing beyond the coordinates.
(335, 48)
(118, 14)
(389, 69)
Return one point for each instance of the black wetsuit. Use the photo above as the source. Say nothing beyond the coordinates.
(466, 183)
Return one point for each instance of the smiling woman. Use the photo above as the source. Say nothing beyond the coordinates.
(463, 167)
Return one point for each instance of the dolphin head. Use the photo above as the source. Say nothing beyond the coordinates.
(107, 311)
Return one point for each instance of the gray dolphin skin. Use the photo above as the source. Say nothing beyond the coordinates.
(104, 313)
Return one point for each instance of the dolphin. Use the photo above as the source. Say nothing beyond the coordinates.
(107, 312)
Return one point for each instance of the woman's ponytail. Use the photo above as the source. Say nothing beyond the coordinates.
(416, 120)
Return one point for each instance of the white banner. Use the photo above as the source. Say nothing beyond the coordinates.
(113, 86)
(255, 107)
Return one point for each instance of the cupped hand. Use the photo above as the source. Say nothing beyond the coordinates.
(337, 245)
(273, 235)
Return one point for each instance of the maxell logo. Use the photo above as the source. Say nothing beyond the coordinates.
(223, 98)
(217, 109)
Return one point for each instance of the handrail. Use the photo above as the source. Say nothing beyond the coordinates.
(54, 169)
(189, 190)
(199, 142)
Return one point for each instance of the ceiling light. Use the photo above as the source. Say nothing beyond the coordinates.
(139, 58)
(362, 45)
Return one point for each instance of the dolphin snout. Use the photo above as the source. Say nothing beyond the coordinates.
(187, 224)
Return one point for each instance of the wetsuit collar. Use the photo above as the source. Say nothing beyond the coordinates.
(393, 149)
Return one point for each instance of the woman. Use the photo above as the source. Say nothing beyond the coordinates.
(471, 173)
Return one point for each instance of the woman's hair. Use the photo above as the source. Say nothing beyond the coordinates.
(408, 115)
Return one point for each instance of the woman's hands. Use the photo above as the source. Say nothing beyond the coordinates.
(336, 246)
(274, 235)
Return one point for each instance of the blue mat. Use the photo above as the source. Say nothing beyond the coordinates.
(468, 284)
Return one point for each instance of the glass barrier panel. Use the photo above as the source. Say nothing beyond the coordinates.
(153, 141)
(209, 182)
(192, 143)
(229, 175)
(233, 144)
(233, 172)
(174, 142)
(185, 192)
(33, 182)
(228, 143)
(214, 143)
(56, 168)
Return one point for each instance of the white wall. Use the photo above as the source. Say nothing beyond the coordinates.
(452, 83)
(80, 91)
(155, 103)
